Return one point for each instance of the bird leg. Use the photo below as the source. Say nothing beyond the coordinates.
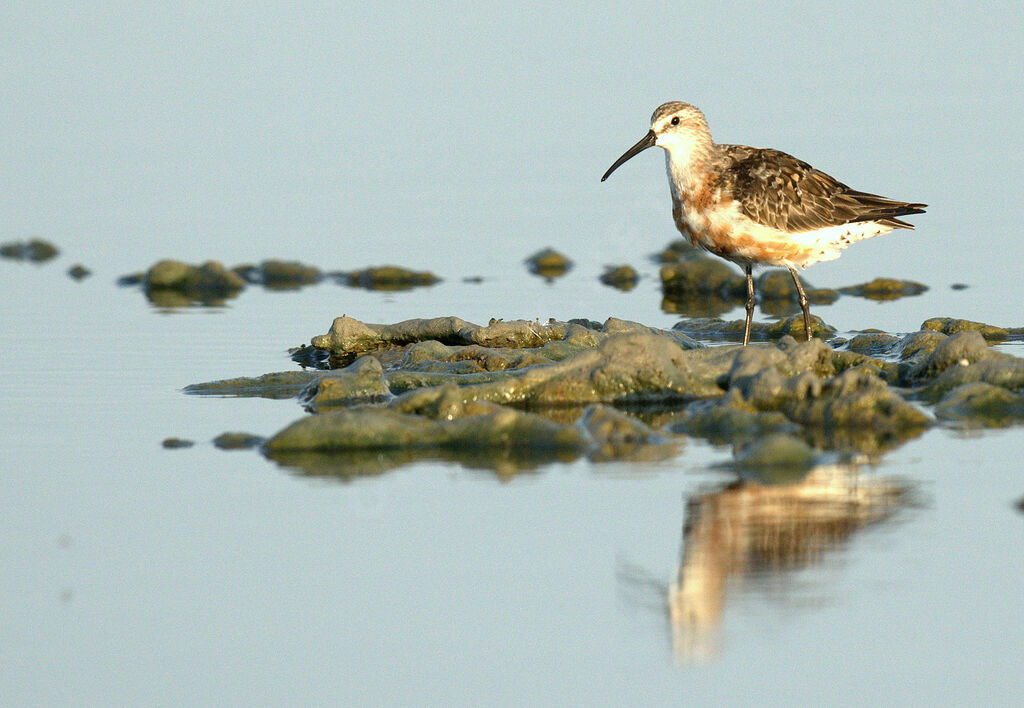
(750, 304)
(803, 303)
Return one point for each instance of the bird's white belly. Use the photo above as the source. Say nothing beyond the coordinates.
(728, 233)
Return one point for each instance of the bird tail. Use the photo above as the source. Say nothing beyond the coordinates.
(885, 211)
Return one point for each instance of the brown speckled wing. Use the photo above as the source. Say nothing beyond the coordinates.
(780, 191)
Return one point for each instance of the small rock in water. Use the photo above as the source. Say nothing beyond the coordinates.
(623, 277)
(885, 289)
(78, 272)
(237, 441)
(388, 277)
(549, 263)
(35, 250)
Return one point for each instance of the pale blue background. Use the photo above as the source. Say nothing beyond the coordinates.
(460, 139)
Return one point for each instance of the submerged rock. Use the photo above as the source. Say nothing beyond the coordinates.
(992, 333)
(873, 343)
(282, 384)
(698, 305)
(716, 329)
(35, 250)
(280, 275)
(388, 277)
(731, 420)
(369, 428)
(703, 275)
(777, 450)
(237, 441)
(78, 272)
(173, 283)
(678, 250)
(549, 263)
(885, 289)
(777, 285)
(982, 404)
(623, 277)
(618, 436)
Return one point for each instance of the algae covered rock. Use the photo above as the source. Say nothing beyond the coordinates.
(732, 331)
(360, 382)
(548, 263)
(237, 441)
(623, 277)
(618, 436)
(388, 277)
(731, 420)
(777, 450)
(872, 343)
(628, 367)
(1000, 370)
(511, 395)
(982, 404)
(280, 275)
(702, 275)
(961, 349)
(350, 336)
(371, 428)
(278, 385)
(208, 283)
(777, 285)
(78, 272)
(885, 289)
(35, 250)
(676, 251)
(992, 333)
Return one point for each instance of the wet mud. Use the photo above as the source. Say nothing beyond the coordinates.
(521, 392)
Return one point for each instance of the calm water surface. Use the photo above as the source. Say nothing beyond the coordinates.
(461, 142)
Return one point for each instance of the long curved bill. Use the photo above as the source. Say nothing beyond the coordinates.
(645, 142)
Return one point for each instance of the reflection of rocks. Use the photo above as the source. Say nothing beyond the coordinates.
(348, 465)
(753, 532)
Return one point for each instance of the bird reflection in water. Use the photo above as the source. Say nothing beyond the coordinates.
(749, 529)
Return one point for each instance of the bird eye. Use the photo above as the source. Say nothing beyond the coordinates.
(675, 120)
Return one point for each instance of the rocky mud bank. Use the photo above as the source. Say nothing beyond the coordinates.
(513, 395)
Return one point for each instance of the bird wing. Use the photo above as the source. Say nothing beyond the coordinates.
(778, 190)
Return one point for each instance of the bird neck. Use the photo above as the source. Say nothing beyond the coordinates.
(688, 164)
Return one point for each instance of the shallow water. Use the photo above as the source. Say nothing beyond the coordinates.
(133, 573)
